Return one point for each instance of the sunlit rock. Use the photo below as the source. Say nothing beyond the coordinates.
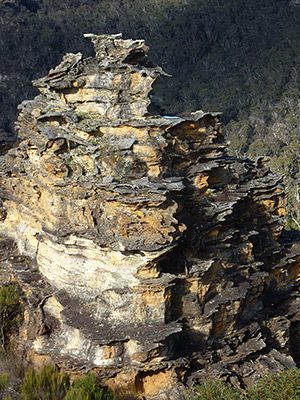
(143, 250)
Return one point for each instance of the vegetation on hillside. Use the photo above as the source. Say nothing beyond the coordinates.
(51, 384)
(10, 312)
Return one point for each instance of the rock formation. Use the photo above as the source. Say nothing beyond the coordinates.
(144, 252)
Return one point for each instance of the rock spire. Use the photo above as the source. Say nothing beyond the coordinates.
(145, 253)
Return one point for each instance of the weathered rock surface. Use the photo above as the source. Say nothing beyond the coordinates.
(144, 251)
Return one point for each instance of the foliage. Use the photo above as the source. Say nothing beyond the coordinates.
(10, 310)
(282, 386)
(214, 390)
(88, 389)
(47, 384)
(51, 384)
(4, 379)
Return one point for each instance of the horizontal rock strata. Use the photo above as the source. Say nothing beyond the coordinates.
(143, 250)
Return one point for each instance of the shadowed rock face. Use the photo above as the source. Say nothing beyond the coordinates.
(144, 251)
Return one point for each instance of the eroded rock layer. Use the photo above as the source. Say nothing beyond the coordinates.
(144, 251)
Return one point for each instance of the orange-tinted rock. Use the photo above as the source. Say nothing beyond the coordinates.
(145, 252)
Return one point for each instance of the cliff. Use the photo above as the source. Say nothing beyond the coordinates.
(144, 251)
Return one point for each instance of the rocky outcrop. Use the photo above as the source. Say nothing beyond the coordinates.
(144, 251)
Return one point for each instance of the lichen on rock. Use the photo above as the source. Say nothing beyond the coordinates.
(145, 252)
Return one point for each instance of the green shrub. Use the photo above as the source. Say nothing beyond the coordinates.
(47, 384)
(10, 310)
(4, 379)
(282, 386)
(215, 390)
(88, 389)
(51, 384)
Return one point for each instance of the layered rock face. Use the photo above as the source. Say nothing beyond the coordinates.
(144, 251)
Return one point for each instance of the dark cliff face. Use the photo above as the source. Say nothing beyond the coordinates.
(145, 252)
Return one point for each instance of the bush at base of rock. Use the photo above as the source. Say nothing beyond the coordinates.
(10, 312)
(214, 390)
(88, 389)
(282, 386)
(51, 384)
